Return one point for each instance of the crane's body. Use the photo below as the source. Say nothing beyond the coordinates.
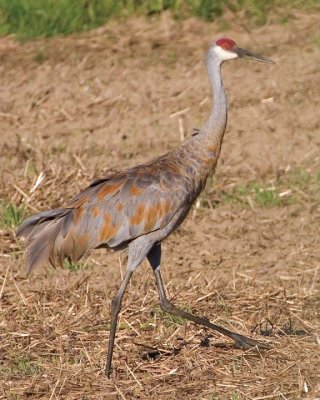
(149, 201)
(139, 207)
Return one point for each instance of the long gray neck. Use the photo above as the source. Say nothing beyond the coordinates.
(215, 126)
(204, 147)
(202, 150)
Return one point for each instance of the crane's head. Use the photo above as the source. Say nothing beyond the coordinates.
(225, 49)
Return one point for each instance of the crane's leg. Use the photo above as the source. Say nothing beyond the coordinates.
(137, 252)
(154, 257)
(115, 309)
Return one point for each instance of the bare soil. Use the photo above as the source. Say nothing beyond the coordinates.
(75, 108)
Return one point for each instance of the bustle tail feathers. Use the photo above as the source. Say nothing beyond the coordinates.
(48, 239)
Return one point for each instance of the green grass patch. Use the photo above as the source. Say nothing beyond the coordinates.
(11, 215)
(26, 367)
(297, 185)
(257, 193)
(20, 366)
(267, 196)
(33, 18)
(305, 183)
(299, 177)
(75, 266)
(171, 319)
(44, 18)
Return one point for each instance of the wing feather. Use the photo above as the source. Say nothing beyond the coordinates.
(130, 204)
(112, 212)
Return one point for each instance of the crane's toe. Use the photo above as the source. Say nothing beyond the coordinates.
(247, 343)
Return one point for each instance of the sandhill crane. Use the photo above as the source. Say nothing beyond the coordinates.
(141, 206)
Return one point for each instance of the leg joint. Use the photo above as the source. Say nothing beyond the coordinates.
(166, 305)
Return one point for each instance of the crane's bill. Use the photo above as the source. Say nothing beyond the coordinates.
(246, 53)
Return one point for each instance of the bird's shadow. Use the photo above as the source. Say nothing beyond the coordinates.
(268, 328)
(153, 353)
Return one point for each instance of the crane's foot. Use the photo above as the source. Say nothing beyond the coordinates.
(107, 372)
(246, 343)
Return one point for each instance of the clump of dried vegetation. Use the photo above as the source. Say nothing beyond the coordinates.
(247, 257)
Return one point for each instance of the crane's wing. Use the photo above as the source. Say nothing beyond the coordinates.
(130, 204)
(110, 212)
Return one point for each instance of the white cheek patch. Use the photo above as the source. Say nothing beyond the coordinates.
(224, 54)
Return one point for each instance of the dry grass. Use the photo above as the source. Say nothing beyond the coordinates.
(103, 100)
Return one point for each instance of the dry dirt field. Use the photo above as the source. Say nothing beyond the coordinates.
(248, 255)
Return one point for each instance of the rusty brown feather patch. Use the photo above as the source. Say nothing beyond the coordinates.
(119, 206)
(82, 240)
(77, 214)
(175, 168)
(95, 211)
(81, 246)
(151, 217)
(108, 230)
(136, 219)
(135, 191)
(162, 208)
(108, 190)
(168, 206)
